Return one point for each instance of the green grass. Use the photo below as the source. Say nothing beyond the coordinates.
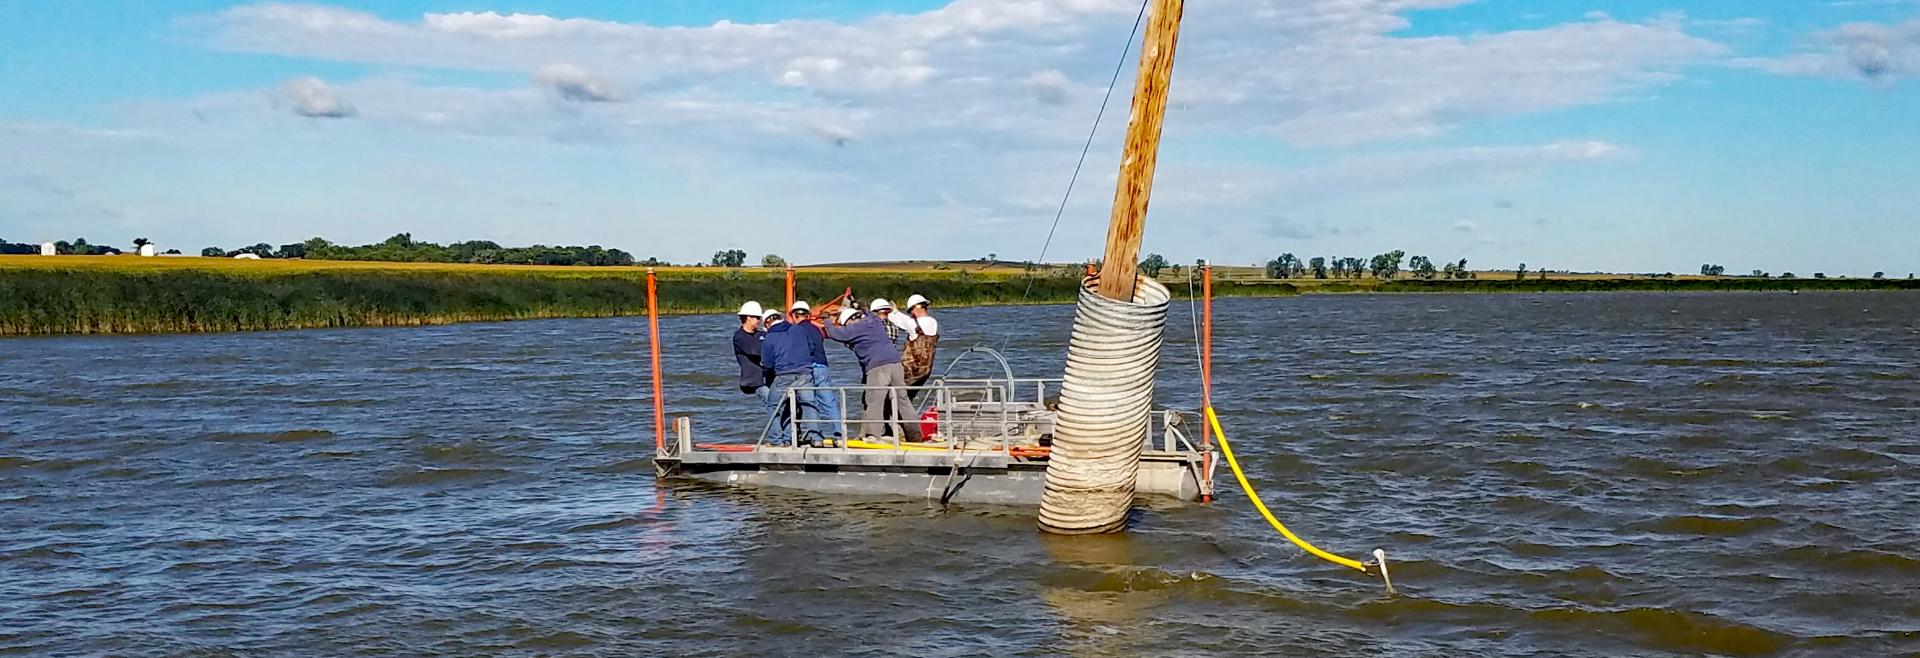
(127, 294)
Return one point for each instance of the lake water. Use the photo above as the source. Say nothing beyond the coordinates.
(1620, 474)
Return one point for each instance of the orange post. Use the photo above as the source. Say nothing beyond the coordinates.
(1206, 362)
(653, 333)
(790, 296)
(1206, 347)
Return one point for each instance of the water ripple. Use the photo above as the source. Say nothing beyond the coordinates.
(1631, 474)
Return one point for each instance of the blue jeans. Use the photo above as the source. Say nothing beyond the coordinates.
(781, 430)
(827, 400)
(765, 395)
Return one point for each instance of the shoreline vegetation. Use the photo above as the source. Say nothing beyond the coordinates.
(129, 294)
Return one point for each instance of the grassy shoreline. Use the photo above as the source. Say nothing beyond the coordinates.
(126, 294)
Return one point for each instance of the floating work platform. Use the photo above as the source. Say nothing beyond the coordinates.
(990, 444)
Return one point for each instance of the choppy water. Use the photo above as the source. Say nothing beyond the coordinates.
(1627, 474)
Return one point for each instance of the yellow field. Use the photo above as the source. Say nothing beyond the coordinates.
(1244, 274)
(282, 266)
(279, 266)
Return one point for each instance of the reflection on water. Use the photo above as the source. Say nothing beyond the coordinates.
(1649, 474)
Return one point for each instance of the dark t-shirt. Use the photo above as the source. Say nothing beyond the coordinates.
(746, 350)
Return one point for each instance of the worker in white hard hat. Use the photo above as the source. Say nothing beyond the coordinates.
(923, 340)
(825, 399)
(899, 325)
(755, 377)
(885, 411)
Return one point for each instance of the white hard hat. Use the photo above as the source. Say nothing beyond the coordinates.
(917, 300)
(752, 309)
(846, 314)
(801, 306)
(880, 304)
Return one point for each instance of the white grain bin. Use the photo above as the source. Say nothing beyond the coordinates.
(47, 249)
(147, 250)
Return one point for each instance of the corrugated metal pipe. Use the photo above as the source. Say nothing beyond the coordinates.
(1104, 407)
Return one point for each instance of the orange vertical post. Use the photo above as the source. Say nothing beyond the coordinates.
(1206, 363)
(790, 296)
(653, 334)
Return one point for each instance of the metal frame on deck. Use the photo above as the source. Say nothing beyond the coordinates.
(959, 401)
(993, 448)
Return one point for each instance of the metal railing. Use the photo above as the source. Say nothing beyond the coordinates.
(999, 412)
(959, 406)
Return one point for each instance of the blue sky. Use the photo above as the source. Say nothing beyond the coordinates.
(1630, 135)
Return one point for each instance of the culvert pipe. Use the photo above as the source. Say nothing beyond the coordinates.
(1105, 404)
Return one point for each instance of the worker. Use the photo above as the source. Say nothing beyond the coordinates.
(789, 353)
(824, 396)
(884, 409)
(754, 376)
(900, 330)
(899, 325)
(916, 356)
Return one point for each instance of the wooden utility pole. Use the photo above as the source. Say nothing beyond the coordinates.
(1129, 218)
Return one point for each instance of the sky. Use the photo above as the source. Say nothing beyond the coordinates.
(1624, 136)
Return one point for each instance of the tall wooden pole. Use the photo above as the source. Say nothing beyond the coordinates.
(1129, 218)
(653, 340)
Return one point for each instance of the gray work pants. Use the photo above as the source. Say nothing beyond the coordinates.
(878, 416)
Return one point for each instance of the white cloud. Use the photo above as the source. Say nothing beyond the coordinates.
(1287, 228)
(966, 116)
(1049, 86)
(836, 134)
(1311, 71)
(1439, 167)
(1466, 226)
(1863, 51)
(312, 97)
(575, 84)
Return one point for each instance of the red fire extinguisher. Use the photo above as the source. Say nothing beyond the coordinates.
(930, 423)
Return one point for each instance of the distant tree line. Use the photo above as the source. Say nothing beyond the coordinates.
(402, 248)
(1387, 266)
(77, 247)
(18, 248)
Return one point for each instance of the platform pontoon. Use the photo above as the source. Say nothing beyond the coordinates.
(990, 444)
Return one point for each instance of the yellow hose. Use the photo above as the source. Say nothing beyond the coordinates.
(861, 444)
(1214, 420)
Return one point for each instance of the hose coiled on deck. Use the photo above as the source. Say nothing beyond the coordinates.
(1104, 409)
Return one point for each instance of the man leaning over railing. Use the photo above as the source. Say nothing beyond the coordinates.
(880, 359)
(788, 353)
